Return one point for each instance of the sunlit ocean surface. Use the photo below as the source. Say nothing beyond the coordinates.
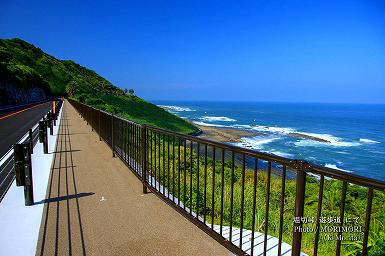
(356, 133)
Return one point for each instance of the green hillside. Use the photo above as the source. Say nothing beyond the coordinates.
(24, 65)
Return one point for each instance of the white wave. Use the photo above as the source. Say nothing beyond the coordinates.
(206, 124)
(377, 152)
(369, 141)
(255, 142)
(175, 108)
(283, 154)
(332, 141)
(217, 118)
(343, 153)
(273, 129)
(333, 166)
(241, 126)
(312, 143)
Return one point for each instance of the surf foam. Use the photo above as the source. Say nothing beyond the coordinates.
(273, 129)
(207, 124)
(369, 141)
(176, 108)
(333, 166)
(282, 154)
(217, 118)
(332, 141)
(256, 142)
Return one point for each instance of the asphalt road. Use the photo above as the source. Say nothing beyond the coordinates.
(14, 126)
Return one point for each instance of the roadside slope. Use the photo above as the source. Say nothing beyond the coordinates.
(28, 74)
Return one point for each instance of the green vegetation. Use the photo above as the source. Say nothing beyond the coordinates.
(175, 172)
(20, 61)
(25, 65)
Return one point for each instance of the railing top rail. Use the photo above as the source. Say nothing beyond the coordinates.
(128, 120)
(349, 177)
(119, 117)
(309, 167)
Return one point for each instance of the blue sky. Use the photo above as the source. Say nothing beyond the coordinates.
(294, 51)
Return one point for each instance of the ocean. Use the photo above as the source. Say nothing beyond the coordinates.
(355, 132)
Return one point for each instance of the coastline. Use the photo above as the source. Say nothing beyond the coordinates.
(226, 134)
(222, 134)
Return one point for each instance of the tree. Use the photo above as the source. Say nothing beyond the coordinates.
(71, 88)
(131, 92)
(125, 91)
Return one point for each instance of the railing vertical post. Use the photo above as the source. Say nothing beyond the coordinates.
(30, 136)
(45, 142)
(299, 207)
(144, 156)
(41, 131)
(43, 135)
(19, 164)
(100, 137)
(50, 123)
(54, 116)
(28, 188)
(23, 170)
(112, 135)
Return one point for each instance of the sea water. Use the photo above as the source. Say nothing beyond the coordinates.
(355, 132)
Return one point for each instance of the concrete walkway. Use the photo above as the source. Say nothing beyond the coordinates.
(95, 206)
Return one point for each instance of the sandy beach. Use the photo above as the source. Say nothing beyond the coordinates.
(225, 134)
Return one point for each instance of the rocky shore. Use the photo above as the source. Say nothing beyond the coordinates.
(225, 134)
(308, 137)
(222, 134)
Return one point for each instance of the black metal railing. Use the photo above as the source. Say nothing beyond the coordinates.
(7, 161)
(251, 202)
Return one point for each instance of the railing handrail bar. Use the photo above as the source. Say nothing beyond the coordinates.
(110, 114)
(349, 177)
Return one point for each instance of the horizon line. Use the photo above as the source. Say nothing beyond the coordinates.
(256, 101)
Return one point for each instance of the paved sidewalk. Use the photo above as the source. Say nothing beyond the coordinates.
(95, 206)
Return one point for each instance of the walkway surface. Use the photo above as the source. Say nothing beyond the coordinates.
(95, 205)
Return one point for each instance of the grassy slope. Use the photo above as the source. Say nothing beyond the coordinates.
(139, 110)
(18, 58)
(355, 204)
(25, 65)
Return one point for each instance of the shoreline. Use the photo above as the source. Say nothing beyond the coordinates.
(222, 134)
(227, 134)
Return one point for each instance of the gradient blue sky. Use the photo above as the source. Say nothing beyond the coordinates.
(294, 51)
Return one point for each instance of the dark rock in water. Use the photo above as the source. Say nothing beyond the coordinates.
(308, 137)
